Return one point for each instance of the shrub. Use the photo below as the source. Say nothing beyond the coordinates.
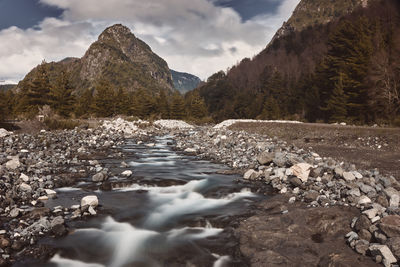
(57, 124)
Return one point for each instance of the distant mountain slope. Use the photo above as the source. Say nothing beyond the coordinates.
(292, 78)
(117, 57)
(5, 87)
(184, 82)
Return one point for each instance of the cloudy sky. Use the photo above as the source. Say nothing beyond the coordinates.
(195, 36)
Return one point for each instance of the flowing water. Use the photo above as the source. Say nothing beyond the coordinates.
(176, 211)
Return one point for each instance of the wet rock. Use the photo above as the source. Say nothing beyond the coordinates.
(92, 201)
(390, 225)
(126, 173)
(92, 211)
(251, 175)
(50, 193)
(99, 177)
(57, 226)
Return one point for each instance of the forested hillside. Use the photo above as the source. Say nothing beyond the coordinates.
(118, 75)
(347, 69)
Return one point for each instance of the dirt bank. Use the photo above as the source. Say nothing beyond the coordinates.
(366, 147)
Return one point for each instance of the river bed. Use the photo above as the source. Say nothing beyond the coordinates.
(173, 210)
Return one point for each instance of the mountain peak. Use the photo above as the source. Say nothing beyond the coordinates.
(318, 12)
(116, 32)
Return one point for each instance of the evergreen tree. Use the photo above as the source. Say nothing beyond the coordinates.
(162, 105)
(336, 105)
(349, 55)
(84, 104)
(178, 111)
(2, 106)
(102, 104)
(136, 108)
(37, 91)
(312, 103)
(275, 95)
(121, 102)
(62, 99)
(148, 104)
(197, 107)
(270, 110)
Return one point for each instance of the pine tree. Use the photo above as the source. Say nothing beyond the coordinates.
(102, 104)
(271, 110)
(178, 111)
(2, 106)
(336, 105)
(349, 55)
(62, 99)
(38, 90)
(84, 103)
(162, 105)
(121, 102)
(197, 107)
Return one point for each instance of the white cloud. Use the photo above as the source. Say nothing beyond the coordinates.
(193, 36)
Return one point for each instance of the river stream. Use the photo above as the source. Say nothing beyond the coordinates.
(173, 211)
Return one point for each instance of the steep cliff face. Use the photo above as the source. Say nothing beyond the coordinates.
(119, 58)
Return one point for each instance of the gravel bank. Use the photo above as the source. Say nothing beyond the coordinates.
(315, 180)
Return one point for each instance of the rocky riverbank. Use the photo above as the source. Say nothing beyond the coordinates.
(307, 177)
(33, 166)
(311, 186)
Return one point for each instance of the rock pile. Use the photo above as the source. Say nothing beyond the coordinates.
(310, 178)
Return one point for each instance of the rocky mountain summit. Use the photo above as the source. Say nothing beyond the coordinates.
(119, 58)
(309, 13)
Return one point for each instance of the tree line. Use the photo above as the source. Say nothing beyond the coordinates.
(353, 77)
(104, 100)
